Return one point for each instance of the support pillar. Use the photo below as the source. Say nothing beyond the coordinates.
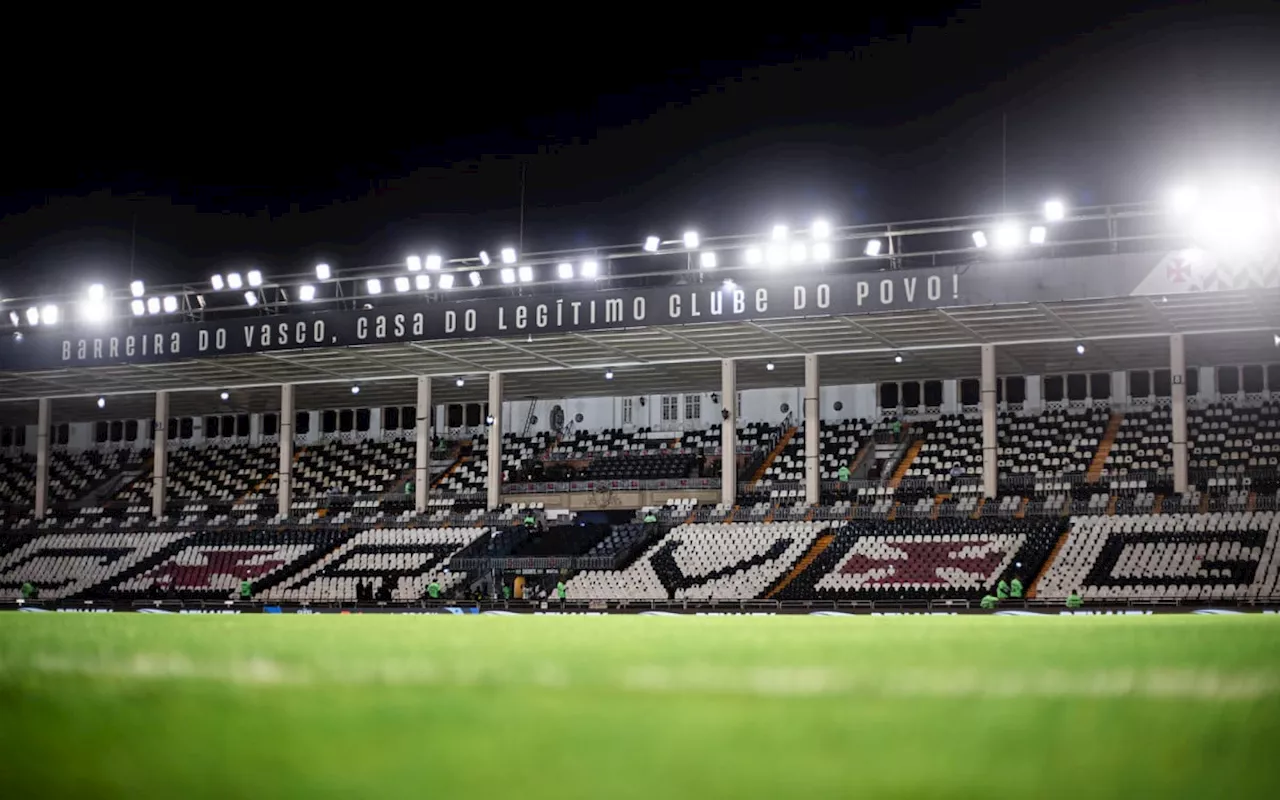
(160, 457)
(812, 431)
(728, 432)
(422, 454)
(990, 451)
(42, 456)
(284, 502)
(494, 480)
(1178, 379)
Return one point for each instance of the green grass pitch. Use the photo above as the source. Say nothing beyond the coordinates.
(320, 706)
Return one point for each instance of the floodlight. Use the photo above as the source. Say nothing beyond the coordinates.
(484, 258)
(138, 307)
(1184, 199)
(691, 240)
(526, 274)
(779, 233)
(979, 239)
(251, 299)
(94, 310)
(873, 247)
(153, 305)
(798, 252)
(1008, 236)
(224, 396)
(323, 272)
(433, 261)
(217, 283)
(475, 279)
(373, 286)
(490, 419)
(822, 251)
(414, 263)
(459, 383)
(1055, 210)
(15, 319)
(590, 269)
(769, 366)
(1038, 234)
(777, 255)
(446, 281)
(355, 389)
(170, 304)
(754, 256)
(255, 278)
(508, 255)
(608, 375)
(651, 244)
(137, 288)
(508, 275)
(897, 359)
(97, 293)
(707, 260)
(564, 270)
(402, 284)
(422, 282)
(234, 280)
(306, 293)
(1080, 349)
(33, 316)
(49, 315)
(102, 402)
(820, 229)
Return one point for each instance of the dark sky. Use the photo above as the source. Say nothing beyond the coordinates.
(359, 144)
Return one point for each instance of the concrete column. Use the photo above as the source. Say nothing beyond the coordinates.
(422, 454)
(728, 432)
(494, 482)
(288, 415)
(990, 451)
(1178, 378)
(160, 461)
(812, 430)
(42, 456)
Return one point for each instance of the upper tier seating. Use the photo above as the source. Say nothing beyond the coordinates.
(346, 469)
(210, 474)
(1053, 443)
(71, 474)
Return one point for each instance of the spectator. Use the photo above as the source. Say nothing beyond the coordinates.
(843, 474)
(433, 590)
(246, 590)
(989, 602)
(29, 591)
(1074, 600)
(1015, 588)
(1002, 590)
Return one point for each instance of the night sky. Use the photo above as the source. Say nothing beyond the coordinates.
(329, 141)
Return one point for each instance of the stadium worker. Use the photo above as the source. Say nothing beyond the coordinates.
(506, 591)
(246, 589)
(1074, 600)
(530, 521)
(560, 591)
(433, 590)
(408, 487)
(650, 522)
(988, 602)
(29, 591)
(1015, 588)
(843, 474)
(1002, 590)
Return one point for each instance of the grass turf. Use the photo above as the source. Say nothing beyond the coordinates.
(638, 707)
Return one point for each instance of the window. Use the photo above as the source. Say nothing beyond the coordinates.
(1163, 383)
(363, 419)
(270, 424)
(911, 394)
(329, 421)
(1140, 383)
(970, 394)
(693, 406)
(1017, 388)
(1273, 377)
(100, 432)
(242, 425)
(409, 418)
(933, 393)
(227, 426)
(1052, 388)
(1100, 386)
(346, 420)
(117, 430)
(888, 395)
(1077, 386)
(453, 415)
(628, 410)
(302, 422)
(186, 428)
(474, 415)
(671, 408)
(1252, 377)
(131, 430)
(391, 418)
(1228, 380)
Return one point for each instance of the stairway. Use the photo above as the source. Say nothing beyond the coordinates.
(977, 512)
(783, 441)
(452, 469)
(1204, 503)
(1104, 448)
(1158, 505)
(823, 542)
(1021, 513)
(293, 465)
(1048, 562)
(905, 463)
(1253, 501)
(937, 505)
(1111, 505)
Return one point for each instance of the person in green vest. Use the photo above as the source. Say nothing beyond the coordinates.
(897, 428)
(988, 602)
(843, 474)
(506, 592)
(1002, 590)
(433, 590)
(408, 487)
(560, 591)
(28, 590)
(1015, 588)
(246, 589)
(530, 521)
(650, 518)
(1074, 600)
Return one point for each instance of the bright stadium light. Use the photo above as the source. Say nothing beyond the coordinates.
(460, 382)
(651, 244)
(779, 233)
(691, 240)
(255, 278)
(769, 366)
(507, 275)
(251, 299)
(170, 304)
(306, 293)
(979, 239)
(526, 274)
(590, 269)
(798, 253)
(1055, 210)
(508, 255)
(484, 258)
(224, 396)
(15, 319)
(873, 247)
(153, 305)
(422, 282)
(777, 255)
(414, 263)
(323, 273)
(608, 375)
(754, 256)
(475, 279)
(1038, 234)
(433, 261)
(565, 270)
(402, 284)
(355, 389)
(897, 359)
(822, 251)
(97, 292)
(217, 283)
(1079, 349)
(373, 286)
(234, 281)
(1184, 199)
(49, 315)
(820, 229)
(137, 288)
(1238, 219)
(33, 316)
(446, 281)
(102, 402)
(1008, 236)
(707, 260)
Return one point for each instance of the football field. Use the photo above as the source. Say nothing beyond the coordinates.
(320, 706)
